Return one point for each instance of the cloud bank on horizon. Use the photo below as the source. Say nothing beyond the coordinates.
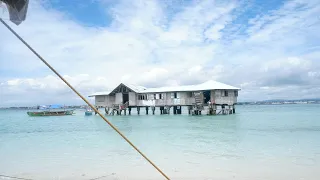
(269, 49)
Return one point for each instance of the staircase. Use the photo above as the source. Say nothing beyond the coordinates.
(198, 101)
(125, 105)
(119, 107)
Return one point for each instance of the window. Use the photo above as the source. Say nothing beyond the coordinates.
(142, 97)
(189, 94)
(175, 95)
(151, 96)
(236, 93)
(225, 93)
(160, 96)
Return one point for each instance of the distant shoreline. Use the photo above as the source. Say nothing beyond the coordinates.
(244, 104)
(26, 107)
(281, 102)
(291, 102)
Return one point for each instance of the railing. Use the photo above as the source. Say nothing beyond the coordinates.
(120, 106)
(125, 105)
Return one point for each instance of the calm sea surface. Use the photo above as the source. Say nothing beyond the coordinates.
(259, 142)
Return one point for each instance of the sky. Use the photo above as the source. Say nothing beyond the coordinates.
(269, 49)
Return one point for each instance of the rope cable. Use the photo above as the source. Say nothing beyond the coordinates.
(84, 99)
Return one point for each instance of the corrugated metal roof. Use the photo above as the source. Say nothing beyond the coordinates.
(209, 85)
(135, 88)
(100, 93)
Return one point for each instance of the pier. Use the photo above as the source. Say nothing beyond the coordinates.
(209, 98)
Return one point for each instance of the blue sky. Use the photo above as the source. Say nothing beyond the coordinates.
(270, 49)
(76, 10)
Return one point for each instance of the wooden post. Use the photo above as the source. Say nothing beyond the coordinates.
(138, 110)
(129, 110)
(153, 109)
(147, 110)
(97, 109)
(179, 110)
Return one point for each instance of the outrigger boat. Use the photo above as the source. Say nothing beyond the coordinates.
(51, 113)
(57, 112)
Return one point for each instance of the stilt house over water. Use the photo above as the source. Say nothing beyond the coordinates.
(211, 97)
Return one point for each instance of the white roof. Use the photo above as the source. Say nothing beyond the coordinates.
(209, 85)
(135, 87)
(100, 93)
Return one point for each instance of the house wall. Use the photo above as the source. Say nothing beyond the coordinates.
(104, 100)
(118, 98)
(100, 100)
(219, 97)
(132, 99)
(111, 100)
(183, 98)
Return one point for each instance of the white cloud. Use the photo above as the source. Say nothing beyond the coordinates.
(213, 33)
(153, 44)
(314, 74)
(195, 69)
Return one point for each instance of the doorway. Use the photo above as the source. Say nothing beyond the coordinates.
(206, 97)
(125, 97)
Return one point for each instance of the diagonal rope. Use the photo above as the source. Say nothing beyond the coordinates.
(84, 99)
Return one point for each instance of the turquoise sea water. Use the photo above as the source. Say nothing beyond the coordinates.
(259, 142)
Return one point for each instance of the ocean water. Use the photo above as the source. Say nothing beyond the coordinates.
(258, 142)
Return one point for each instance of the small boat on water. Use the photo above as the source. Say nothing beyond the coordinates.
(47, 111)
(88, 112)
(51, 113)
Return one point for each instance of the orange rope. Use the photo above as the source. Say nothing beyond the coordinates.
(66, 82)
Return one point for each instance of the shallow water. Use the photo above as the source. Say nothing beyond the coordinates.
(258, 142)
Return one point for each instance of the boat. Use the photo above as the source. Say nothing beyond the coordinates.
(58, 110)
(88, 112)
(51, 113)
